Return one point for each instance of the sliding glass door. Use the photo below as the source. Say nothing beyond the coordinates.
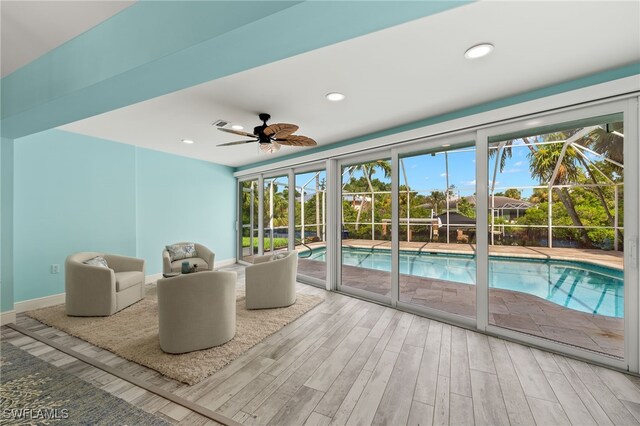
(310, 223)
(526, 230)
(556, 263)
(248, 227)
(437, 229)
(276, 213)
(365, 234)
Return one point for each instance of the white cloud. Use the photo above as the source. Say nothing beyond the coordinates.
(469, 182)
(519, 163)
(443, 174)
(514, 170)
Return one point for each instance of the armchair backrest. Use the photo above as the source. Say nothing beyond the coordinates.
(83, 256)
(290, 259)
(196, 308)
(272, 283)
(165, 252)
(202, 252)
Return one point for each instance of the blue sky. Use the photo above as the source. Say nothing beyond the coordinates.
(427, 173)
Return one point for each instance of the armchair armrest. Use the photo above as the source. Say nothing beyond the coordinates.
(205, 254)
(90, 290)
(124, 263)
(166, 261)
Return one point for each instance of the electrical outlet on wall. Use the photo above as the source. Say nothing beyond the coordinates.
(55, 268)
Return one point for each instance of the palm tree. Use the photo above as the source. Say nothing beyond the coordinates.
(608, 143)
(539, 196)
(506, 148)
(611, 146)
(543, 163)
(368, 170)
(437, 197)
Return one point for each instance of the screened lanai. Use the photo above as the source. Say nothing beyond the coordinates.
(542, 214)
(427, 212)
(552, 194)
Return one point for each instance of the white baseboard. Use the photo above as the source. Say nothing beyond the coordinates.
(8, 317)
(225, 262)
(40, 302)
(56, 299)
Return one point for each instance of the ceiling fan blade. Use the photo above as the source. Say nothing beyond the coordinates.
(237, 142)
(280, 130)
(269, 148)
(297, 140)
(238, 132)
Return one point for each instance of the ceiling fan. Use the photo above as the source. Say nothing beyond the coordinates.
(271, 136)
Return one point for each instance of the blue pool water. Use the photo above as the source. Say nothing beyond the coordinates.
(575, 285)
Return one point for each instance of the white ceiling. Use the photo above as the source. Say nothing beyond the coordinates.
(29, 29)
(391, 77)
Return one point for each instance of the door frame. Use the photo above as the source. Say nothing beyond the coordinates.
(349, 160)
(629, 109)
(310, 168)
(424, 146)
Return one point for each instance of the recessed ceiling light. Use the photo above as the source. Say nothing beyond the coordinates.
(187, 141)
(335, 96)
(478, 51)
(446, 144)
(237, 127)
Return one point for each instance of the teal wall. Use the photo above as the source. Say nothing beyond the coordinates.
(180, 199)
(77, 193)
(6, 224)
(72, 193)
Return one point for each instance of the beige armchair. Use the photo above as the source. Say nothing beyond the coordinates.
(271, 283)
(98, 291)
(204, 260)
(196, 311)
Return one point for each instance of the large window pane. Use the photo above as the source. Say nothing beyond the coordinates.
(310, 223)
(249, 219)
(436, 201)
(276, 214)
(556, 197)
(366, 227)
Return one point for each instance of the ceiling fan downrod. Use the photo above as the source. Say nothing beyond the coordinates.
(259, 130)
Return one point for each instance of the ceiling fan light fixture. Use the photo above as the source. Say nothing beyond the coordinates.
(478, 51)
(335, 96)
(269, 136)
(187, 141)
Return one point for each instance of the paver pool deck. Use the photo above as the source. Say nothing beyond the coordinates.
(509, 309)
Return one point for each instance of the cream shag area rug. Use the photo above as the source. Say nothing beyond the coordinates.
(133, 334)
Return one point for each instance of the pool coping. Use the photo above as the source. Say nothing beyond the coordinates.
(386, 245)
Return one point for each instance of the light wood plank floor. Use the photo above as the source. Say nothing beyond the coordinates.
(351, 362)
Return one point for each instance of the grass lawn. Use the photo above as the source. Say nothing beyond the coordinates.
(277, 242)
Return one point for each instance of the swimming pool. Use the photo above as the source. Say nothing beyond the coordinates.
(575, 285)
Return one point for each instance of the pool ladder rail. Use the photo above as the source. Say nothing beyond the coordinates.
(308, 248)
